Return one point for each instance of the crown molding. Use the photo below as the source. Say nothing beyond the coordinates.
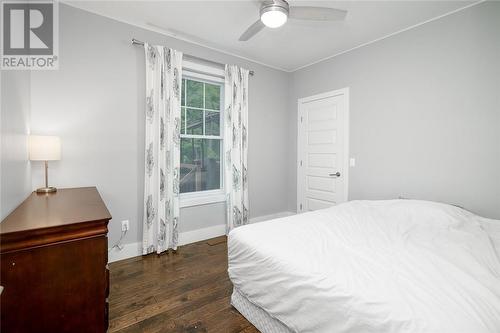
(163, 32)
(149, 27)
(389, 35)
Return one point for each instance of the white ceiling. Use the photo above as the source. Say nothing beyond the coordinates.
(218, 24)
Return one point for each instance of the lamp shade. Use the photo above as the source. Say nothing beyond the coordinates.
(44, 148)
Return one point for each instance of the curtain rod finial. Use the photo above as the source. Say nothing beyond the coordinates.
(137, 42)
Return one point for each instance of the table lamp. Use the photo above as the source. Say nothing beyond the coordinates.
(45, 148)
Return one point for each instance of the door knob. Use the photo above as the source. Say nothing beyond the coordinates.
(337, 174)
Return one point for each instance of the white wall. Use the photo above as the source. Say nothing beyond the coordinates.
(425, 117)
(95, 102)
(15, 181)
(425, 112)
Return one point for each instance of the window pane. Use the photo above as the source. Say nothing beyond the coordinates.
(183, 93)
(183, 120)
(194, 94)
(212, 120)
(200, 165)
(194, 121)
(212, 96)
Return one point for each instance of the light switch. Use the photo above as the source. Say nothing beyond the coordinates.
(352, 162)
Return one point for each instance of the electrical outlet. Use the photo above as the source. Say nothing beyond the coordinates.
(352, 162)
(125, 225)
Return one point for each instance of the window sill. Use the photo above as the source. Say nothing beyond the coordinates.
(201, 198)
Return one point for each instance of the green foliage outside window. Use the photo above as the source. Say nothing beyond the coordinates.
(200, 157)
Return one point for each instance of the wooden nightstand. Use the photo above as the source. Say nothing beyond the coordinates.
(53, 253)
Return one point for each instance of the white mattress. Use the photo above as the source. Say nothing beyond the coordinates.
(371, 266)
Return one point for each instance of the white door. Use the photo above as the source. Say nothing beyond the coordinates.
(323, 124)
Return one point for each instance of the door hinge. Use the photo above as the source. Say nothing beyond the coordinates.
(301, 119)
(300, 206)
(300, 162)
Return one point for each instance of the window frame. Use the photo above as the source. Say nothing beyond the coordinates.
(211, 75)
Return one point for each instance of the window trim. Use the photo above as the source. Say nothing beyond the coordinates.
(199, 198)
(211, 75)
(203, 71)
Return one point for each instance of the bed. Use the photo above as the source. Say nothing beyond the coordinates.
(369, 266)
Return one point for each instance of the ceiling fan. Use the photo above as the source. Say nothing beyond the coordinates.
(274, 13)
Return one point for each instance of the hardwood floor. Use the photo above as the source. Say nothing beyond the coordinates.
(187, 291)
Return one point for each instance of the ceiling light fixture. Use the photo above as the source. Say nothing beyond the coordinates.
(274, 13)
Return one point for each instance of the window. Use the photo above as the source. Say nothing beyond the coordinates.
(201, 176)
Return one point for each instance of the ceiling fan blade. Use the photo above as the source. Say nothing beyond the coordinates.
(317, 13)
(252, 31)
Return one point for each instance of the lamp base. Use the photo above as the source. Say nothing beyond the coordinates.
(46, 189)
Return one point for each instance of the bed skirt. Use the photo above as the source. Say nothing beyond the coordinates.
(257, 316)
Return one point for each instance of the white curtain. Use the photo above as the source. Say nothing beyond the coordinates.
(236, 146)
(162, 156)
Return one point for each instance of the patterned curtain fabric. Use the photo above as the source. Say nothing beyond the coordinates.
(236, 146)
(162, 156)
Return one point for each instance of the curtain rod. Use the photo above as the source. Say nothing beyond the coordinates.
(138, 42)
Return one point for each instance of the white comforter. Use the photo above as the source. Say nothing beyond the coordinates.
(372, 266)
